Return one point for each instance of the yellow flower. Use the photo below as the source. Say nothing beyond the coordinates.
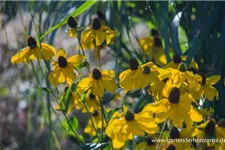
(177, 60)
(177, 105)
(207, 87)
(211, 130)
(97, 122)
(91, 101)
(98, 33)
(152, 46)
(149, 74)
(33, 51)
(73, 27)
(123, 127)
(186, 78)
(99, 81)
(177, 136)
(63, 69)
(130, 79)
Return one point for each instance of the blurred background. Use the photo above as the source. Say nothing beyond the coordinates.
(196, 29)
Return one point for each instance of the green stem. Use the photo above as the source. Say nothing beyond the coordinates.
(161, 133)
(78, 38)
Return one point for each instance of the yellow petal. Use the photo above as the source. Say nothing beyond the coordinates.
(109, 84)
(86, 35)
(210, 92)
(54, 77)
(76, 59)
(99, 37)
(47, 50)
(69, 75)
(109, 73)
(196, 116)
(213, 80)
(61, 52)
(84, 83)
(21, 56)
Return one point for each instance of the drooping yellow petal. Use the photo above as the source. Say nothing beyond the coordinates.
(213, 80)
(22, 55)
(110, 35)
(61, 52)
(109, 73)
(109, 84)
(47, 50)
(158, 107)
(195, 115)
(86, 35)
(76, 59)
(72, 32)
(54, 78)
(159, 56)
(99, 37)
(69, 75)
(210, 92)
(84, 83)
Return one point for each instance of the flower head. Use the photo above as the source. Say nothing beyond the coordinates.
(34, 50)
(97, 33)
(99, 81)
(123, 126)
(63, 68)
(72, 23)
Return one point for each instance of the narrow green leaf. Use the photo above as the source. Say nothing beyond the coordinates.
(43, 89)
(73, 123)
(77, 12)
(82, 65)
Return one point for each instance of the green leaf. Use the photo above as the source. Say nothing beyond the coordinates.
(73, 123)
(77, 12)
(83, 96)
(43, 89)
(82, 65)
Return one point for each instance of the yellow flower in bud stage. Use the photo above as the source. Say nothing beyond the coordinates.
(123, 126)
(92, 102)
(152, 46)
(98, 33)
(178, 106)
(97, 121)
(177, 60)
(98, 82)
(63, 68)
(33, 51)
(73, 27)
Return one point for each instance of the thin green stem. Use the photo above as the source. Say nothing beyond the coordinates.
(161, 133)
(103, 116)
(88, 112)
(81, 47)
